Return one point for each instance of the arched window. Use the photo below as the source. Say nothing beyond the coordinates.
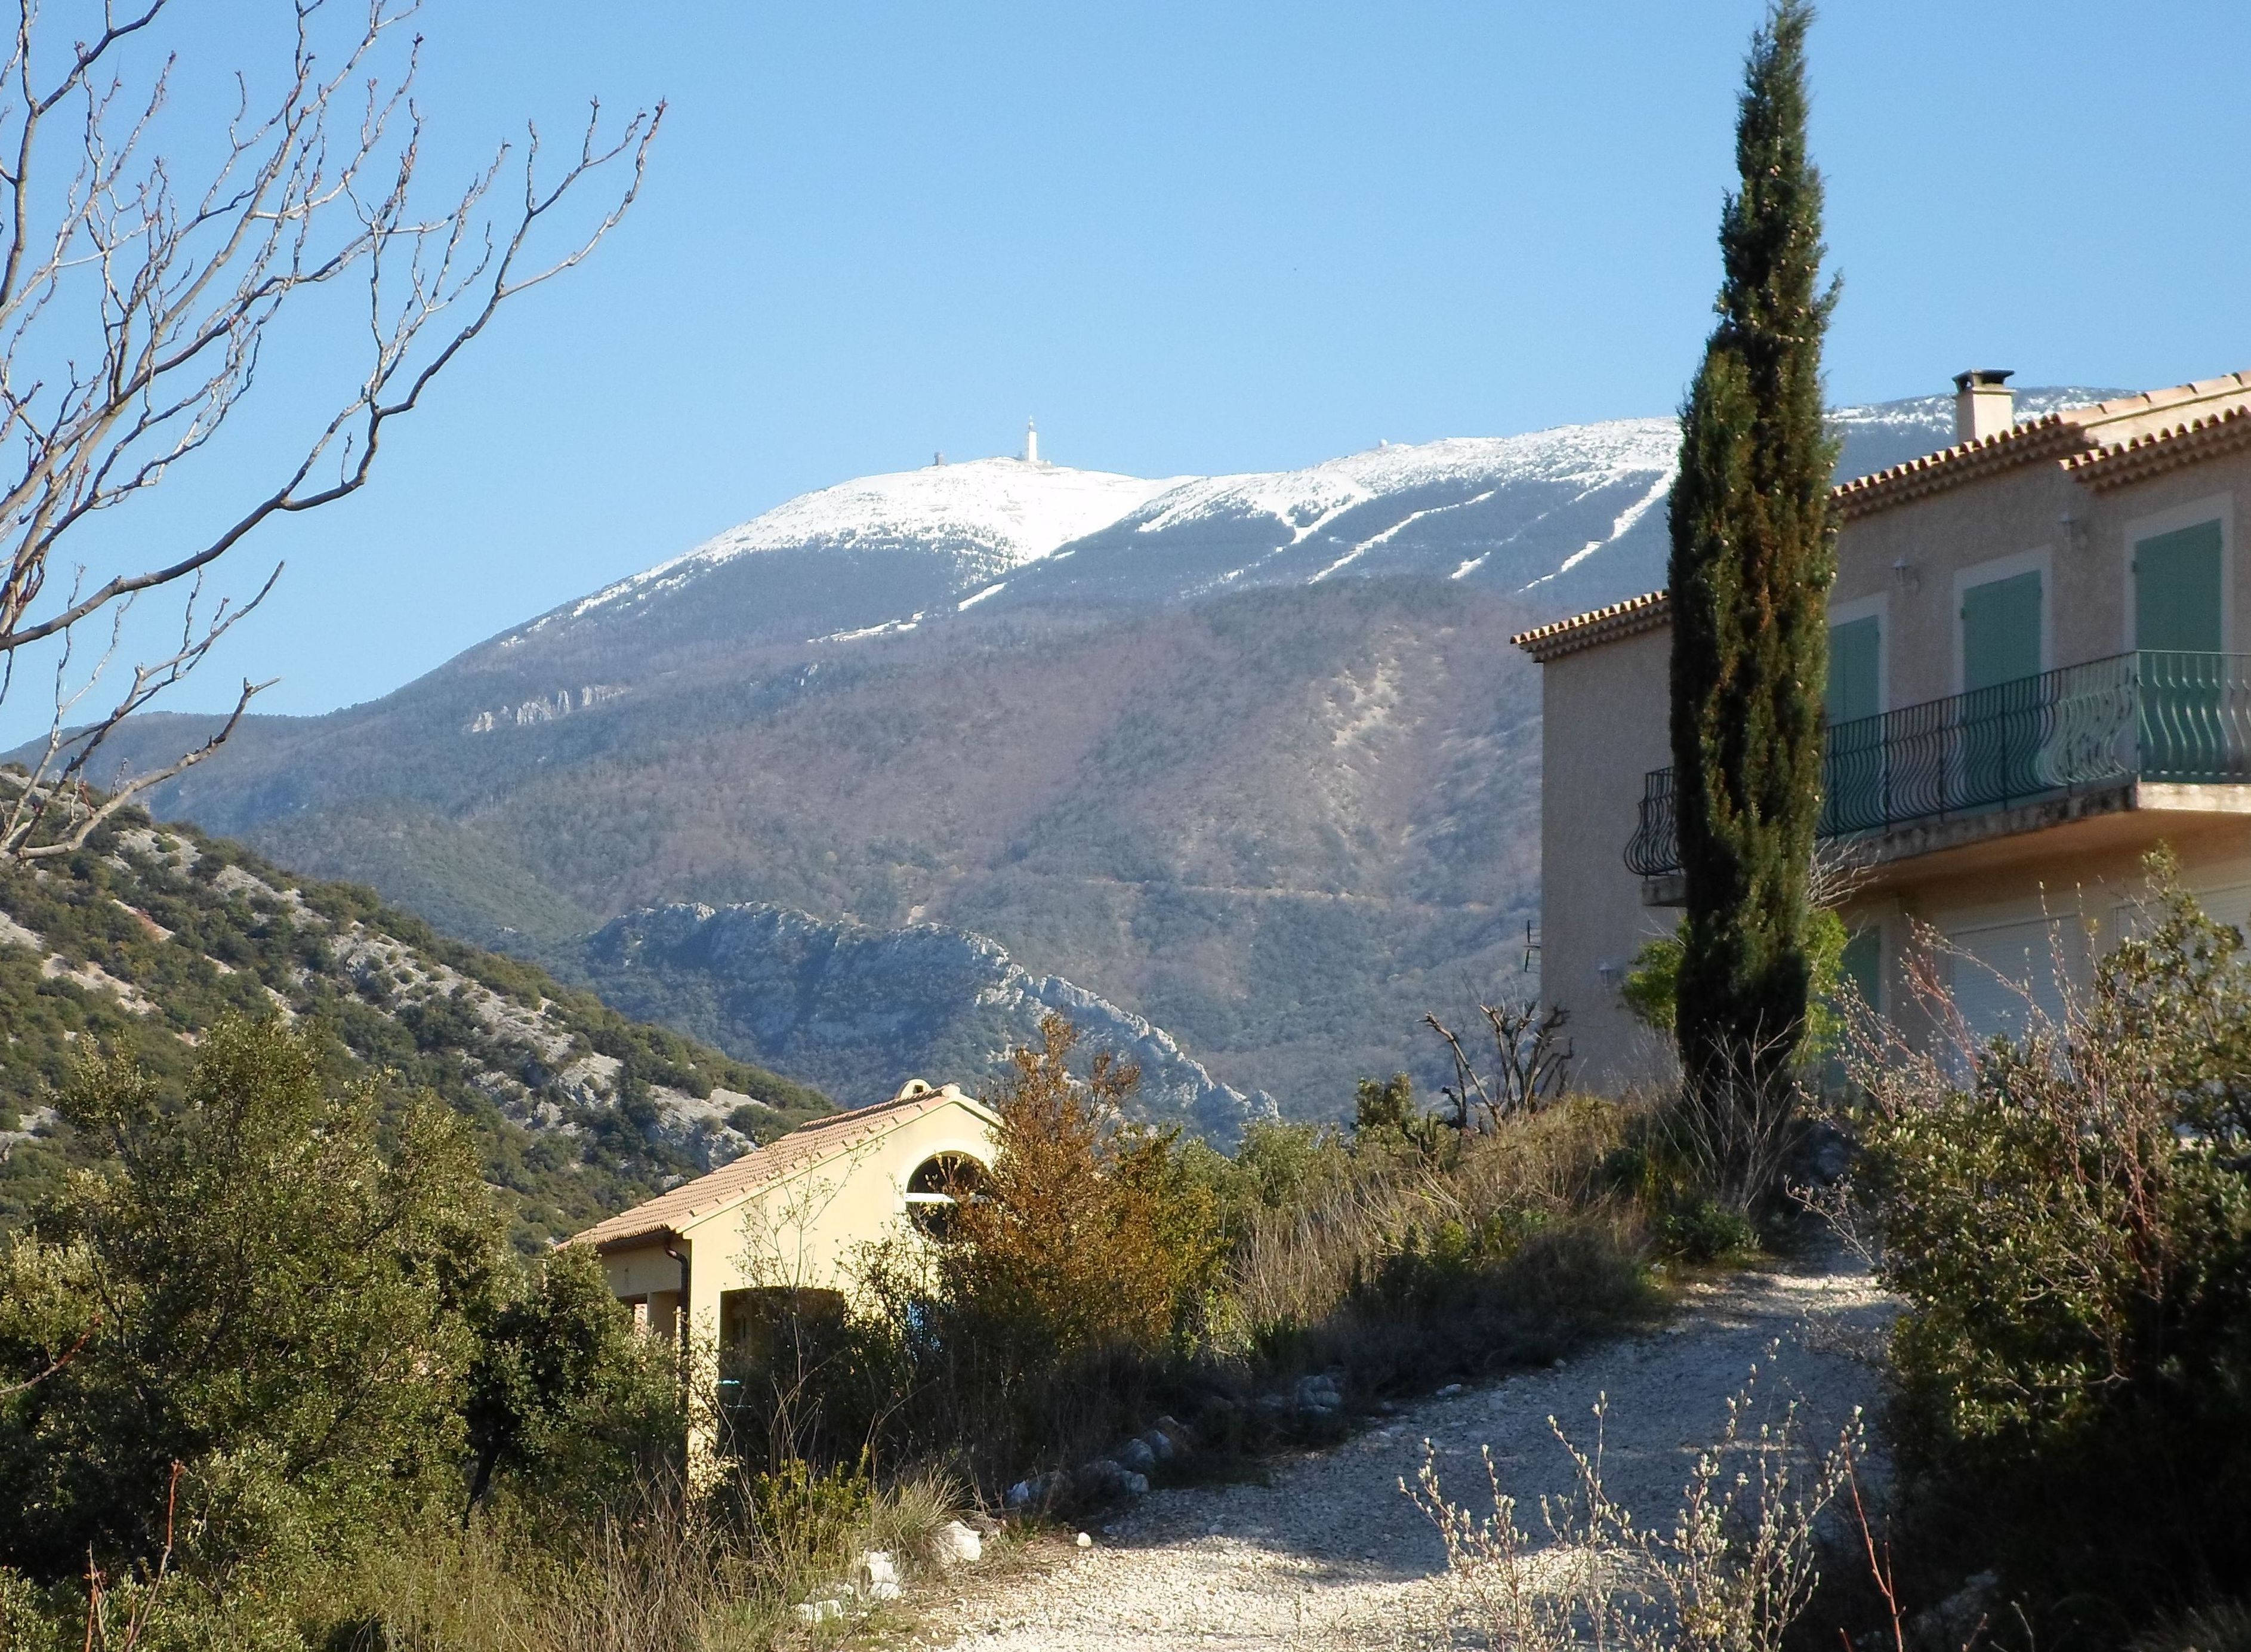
(938, 1186)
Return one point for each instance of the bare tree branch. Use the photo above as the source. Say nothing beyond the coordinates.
(1532, 1062)
(61, 1360)
(135, 314)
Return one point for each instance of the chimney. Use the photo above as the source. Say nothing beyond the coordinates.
(1984, 403)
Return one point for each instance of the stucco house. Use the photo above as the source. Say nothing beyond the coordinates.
(2037, 674)
(792, 1218)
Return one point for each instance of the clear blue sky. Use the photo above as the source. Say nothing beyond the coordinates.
(1210, 237)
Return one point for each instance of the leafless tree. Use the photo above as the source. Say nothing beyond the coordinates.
(138, 294)
(1531, 1062)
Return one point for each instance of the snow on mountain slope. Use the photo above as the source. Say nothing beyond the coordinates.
(1308, 500)
(1564, 518)
(919, 537)
(1020, 510)
(1510, 512)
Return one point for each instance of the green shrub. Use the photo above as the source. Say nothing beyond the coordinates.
(273, 1286)
(2069, 1219)
(564, 1395)
(808, 1511)
(1653, 980)
(1704, 1230)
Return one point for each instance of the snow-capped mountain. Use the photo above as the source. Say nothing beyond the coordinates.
(1557, 513)
(1564, 508)
(1559, 519)
(900, 542)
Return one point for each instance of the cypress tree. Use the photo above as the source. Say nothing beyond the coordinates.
(1752, 555)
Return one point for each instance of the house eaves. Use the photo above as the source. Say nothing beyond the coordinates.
(1649, 611)
(803, 1150)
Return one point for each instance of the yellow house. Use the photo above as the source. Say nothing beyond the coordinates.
(2039, 668)
(792, 1217)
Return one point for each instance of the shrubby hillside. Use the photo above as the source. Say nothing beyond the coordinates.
(140, 942)
(1277, 824)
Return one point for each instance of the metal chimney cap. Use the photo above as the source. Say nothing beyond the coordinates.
(1978, 376)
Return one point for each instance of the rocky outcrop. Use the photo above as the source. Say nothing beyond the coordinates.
(545, 709)
(860, 1009)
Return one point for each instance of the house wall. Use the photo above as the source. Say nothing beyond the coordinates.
(1604, 725)
(807, 1232)
(1909, 562)
(2057, 898)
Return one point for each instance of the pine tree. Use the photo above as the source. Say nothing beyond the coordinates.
(1753, 550)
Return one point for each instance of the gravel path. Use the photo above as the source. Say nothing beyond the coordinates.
(1332, 1555)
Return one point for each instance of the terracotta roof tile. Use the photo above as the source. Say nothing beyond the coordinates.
(2056, 435)
(2069, 436)
(1628, 618)
(2157, 451)
(802, 1147)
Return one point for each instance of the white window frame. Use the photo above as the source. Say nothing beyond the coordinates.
(2217, 507)
(1879, 608)
(2041, 559)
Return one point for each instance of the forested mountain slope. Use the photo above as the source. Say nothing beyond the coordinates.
(143, 940)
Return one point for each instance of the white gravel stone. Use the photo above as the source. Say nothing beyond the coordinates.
(1330, 1555)
(956, 1544)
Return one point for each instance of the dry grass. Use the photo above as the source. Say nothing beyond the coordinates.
(1737, 1568)
(1509, 1249)
(1299, 1264)
(666, 1575)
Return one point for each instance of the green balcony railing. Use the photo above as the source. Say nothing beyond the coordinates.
(2158, 716)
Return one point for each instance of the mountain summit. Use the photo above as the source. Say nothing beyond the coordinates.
(925, 534)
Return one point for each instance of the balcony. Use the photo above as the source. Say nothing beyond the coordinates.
(2082, 732)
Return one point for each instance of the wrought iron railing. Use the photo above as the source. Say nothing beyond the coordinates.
(2176, 716)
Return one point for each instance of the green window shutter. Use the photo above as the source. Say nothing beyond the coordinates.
(1854, 670)
(2001, 631)
(2177, 585)
(1863, 965)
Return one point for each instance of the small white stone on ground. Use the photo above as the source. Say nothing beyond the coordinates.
(1085, 1541)
(956, 1544)
(878, 1577)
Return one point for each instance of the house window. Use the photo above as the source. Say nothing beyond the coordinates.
(1856, 670)
(936, 1189)
(2178, 599)
(2001, 631)
(757, 1324)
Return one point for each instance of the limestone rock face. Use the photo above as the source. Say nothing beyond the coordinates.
(865, 1008)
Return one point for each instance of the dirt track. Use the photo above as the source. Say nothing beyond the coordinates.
(1332, 1555)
